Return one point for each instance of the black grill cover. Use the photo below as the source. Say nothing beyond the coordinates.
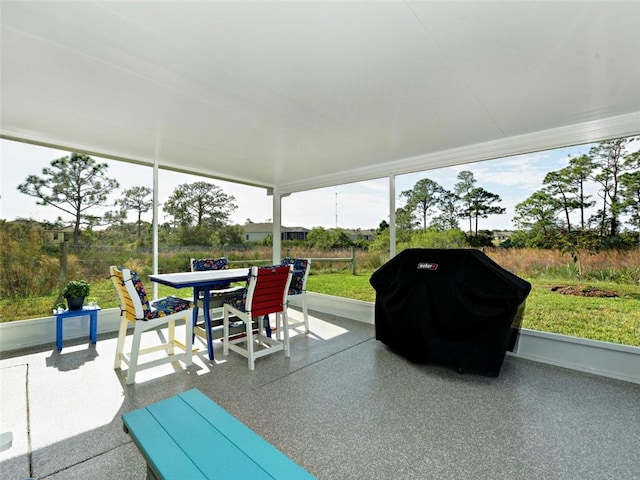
(454, 307)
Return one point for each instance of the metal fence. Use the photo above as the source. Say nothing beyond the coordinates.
(351, 259)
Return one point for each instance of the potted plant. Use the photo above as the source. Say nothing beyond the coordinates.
(75, 292)
(59, 308)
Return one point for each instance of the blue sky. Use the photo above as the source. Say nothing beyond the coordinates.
(361, 205)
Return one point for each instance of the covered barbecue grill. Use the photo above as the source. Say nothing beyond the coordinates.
(454, 307)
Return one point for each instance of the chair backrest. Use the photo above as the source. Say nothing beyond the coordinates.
(133, 296)
(267, 289)
(204, 264)
(301, 267)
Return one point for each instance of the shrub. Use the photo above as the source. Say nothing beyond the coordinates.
(431, 238)
(26, 270)
(375, 260)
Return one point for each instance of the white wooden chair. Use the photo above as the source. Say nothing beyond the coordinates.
(266, 293)
(136, 310)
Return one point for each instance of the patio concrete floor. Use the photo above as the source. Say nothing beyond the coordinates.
(343, 407)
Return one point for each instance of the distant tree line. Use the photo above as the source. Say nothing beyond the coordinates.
(431, 215)
(553, 217)
(77, 185)
(429, 205)
(592, 203)
(198, 213)
(557, 213)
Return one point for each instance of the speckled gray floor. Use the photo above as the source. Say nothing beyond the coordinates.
(344, 407)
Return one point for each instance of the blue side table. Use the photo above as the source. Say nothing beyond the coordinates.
(91, 312)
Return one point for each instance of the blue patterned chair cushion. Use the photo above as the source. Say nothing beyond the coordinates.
(142, 293)
(162, 307)
(237, 299)
(205, 264)
(167, 306)
(297, 279)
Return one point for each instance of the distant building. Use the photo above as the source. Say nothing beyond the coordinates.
(501, 235)
(59, 235)
(51, 234)
(256, 232)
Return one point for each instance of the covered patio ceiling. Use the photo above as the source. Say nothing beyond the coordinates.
(299, 95)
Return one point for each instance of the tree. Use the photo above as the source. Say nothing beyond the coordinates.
(449, 212)
(463, 189)
(632, 161)
(559, 185)
(340, 238)
(630, 192)
(580, 169)
(318, 237)
(74, 184)
(231, 235)
(405, 220)
(384, 225)
(121, 233)
(630, 188)
(136, 199)
(609, 159)
(425, 194)
(482, 238)
(198, 209)
(538, 212)
(482, 205)
(432, 238)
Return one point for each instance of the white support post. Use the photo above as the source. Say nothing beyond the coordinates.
(392, 216)
(277, 230)
(155, 224)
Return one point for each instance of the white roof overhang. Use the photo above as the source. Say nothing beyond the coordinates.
(301, 95)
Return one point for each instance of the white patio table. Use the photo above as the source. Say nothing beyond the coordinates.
(202, 282)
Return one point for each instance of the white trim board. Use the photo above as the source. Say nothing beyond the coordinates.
(611, 360)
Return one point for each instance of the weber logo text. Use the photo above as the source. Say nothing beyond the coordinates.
(427, 266)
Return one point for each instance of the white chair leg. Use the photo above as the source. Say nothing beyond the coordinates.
(305, 313)
(285, 322)
(188, 340)
(172, 337)
(135, 352)
(278, 327)
(249, 331)
(122, 334)
(225, 332)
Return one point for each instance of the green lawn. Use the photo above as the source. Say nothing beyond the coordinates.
(609, 319)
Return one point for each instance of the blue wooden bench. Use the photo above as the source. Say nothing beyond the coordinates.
(188, 436)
